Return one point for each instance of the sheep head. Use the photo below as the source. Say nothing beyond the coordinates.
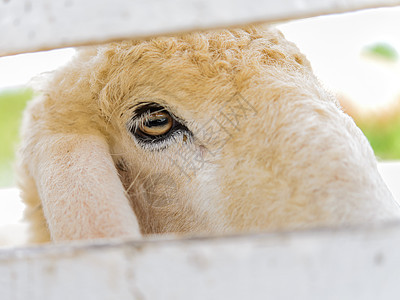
(222, 131)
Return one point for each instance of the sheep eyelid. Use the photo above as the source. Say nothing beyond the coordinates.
(156, 142)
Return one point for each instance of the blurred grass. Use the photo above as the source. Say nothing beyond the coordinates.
(381, 127)
(381, 51)
(383, 134)
(12, 103)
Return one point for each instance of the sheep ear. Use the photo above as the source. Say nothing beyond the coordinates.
(81, 193)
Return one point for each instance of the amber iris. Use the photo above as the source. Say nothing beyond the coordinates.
(157, 123)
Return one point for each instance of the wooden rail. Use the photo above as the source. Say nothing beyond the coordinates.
(32, 25)
(353, 263)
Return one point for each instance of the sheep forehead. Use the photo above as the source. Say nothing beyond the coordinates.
(223, 50)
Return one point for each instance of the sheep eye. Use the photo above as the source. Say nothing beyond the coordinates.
(156, 123)
(153, 125)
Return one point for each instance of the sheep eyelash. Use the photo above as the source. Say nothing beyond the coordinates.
(138, 120)
(177, 137)
(142, 111)
(174, 139)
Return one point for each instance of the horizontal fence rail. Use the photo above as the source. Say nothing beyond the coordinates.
(33, 25)
(358, 263)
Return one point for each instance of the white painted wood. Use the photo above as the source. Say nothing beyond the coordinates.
(32, 25)
(358, 263)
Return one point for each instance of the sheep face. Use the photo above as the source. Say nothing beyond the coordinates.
(225, 131)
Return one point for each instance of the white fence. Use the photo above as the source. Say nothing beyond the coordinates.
(31, 25)
(353, 263)
(358, 263)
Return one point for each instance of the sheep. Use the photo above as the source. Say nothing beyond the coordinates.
(215, 132)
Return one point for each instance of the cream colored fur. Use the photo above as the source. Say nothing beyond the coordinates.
(269, 148)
